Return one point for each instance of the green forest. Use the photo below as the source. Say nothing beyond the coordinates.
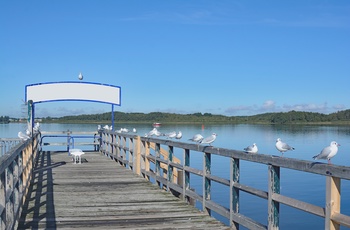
(291, 117)
(4, 119)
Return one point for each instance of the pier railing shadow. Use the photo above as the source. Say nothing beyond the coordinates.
(41, 191)
(154, 159)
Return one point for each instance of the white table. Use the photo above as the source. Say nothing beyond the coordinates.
(76, 153)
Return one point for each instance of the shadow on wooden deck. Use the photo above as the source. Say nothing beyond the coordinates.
(100, 194)
(41, 195)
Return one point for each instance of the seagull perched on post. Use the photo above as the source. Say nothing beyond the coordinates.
(282, 147)
(328, 152)
(251, 149)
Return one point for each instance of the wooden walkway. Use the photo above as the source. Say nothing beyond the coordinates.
(100, 194)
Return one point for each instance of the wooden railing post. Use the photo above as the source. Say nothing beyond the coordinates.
(9, 201)
(147, 162)
(116, 145)
(185, 175)
(156, 162)
(137, 155)
(273, 206)
(170, 167)
(130, 153)
(234, 194)
(114, 142)
(206, 181)
(332, 202)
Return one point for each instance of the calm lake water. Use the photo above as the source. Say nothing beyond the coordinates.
(307, 141)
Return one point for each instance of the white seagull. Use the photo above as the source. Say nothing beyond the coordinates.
(209, 140)
(154, 131)
(170, 135)
(179, 135)
(251, 149)
(28, 132)
(282, 147)
(328, 152)
(36, 127)
(196, 138)
(124, 130)
(23, 136)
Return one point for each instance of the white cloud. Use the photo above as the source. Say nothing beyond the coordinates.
(268, 105)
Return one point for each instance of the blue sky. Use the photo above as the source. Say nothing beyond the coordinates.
(221, 57)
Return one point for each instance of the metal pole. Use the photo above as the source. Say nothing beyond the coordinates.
(112, 117)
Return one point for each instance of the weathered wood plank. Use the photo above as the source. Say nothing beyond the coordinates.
(100, 194)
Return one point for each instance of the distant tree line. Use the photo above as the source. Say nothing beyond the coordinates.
(291, 117)
(5, 119)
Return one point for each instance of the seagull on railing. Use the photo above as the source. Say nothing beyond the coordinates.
(282, 147)
(28, 132)
(170, 135)
(179, 135)
(36, 127)
(196, 138)
(251, 149)
(23, 136)
(328, 152)
(154, 132)
(124, 130)
(209, 140)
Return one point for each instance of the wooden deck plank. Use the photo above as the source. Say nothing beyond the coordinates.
(100, 194)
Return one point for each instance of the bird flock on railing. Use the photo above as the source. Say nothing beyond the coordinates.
(28, 134)
(326, 153)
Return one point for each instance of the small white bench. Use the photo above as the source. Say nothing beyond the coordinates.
(76, 153)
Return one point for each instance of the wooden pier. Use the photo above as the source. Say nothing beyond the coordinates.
(134, 182)
(101, 194)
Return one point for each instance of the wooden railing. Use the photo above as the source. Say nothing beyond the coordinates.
(153, 158)
(16, 167)
(6, 144)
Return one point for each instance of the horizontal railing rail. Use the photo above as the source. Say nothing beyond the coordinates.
(6, 144)
(70, 139)
(153, 158)
(16, 167)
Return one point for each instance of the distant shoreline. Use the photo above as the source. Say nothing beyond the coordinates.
(184, 122)
(277, 118)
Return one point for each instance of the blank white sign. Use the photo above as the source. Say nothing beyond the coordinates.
(73, 91)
